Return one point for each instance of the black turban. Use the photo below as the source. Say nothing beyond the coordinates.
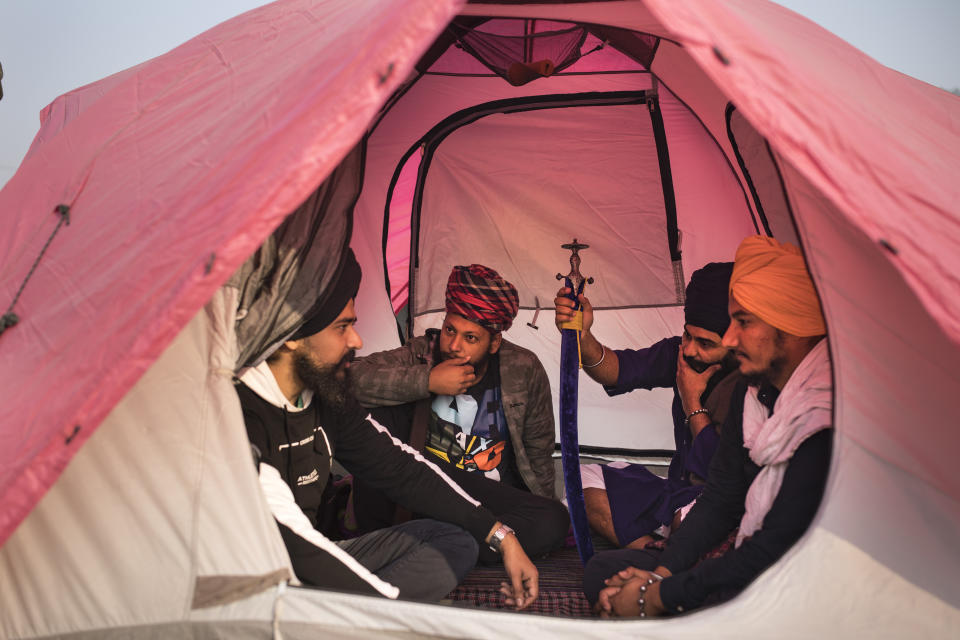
(707, 294)
(344, 290)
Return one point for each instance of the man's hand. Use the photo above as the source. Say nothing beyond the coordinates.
(523, 587)
(451, 377)
(620, 597)
(565, 311)
(691, 384)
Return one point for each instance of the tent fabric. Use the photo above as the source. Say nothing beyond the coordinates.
(175, 172)
(838, 125)
(478, 204)
(291, 273)
(525, 245)
(161, 502)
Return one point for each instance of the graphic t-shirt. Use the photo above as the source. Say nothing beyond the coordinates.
(469, 430)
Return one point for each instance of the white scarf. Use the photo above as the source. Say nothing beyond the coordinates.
(804, 407)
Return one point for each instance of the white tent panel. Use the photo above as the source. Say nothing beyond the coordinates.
(510, 189)
(164, 493)
(779, 604)
(431, 99)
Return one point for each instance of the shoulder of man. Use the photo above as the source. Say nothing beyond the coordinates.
(513, 355)
(717, 403)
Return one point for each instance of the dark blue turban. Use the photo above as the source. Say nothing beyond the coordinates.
(707, 293)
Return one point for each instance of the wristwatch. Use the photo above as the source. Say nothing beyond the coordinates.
(496, 540)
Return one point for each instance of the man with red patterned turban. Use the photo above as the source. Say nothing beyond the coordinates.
(475, 402)
(769, 472)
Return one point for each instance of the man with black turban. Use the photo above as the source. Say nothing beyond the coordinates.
(476, 404)
(300, 414)
(627, 503)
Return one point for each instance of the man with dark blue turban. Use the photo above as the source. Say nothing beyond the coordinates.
(626, 503)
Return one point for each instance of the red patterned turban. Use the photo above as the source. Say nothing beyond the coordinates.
(480, 295)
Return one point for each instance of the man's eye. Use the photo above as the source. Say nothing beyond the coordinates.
(471, 339)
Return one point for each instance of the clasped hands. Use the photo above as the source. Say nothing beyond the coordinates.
(619, 599)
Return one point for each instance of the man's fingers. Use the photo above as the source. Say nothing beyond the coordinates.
(603, 601)
(518, 591)
(533, 588)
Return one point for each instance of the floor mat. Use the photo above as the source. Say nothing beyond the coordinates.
(561, 587)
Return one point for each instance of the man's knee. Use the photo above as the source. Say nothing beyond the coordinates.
(458, 547)
(556, 523)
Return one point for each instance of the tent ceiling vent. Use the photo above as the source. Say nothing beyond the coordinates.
(519, 53)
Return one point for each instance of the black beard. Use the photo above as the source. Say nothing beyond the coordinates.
(773, 371)
(697, 365)
(330, 383)
(727, 363)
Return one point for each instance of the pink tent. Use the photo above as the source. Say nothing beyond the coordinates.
(669, 133)
(174, 172)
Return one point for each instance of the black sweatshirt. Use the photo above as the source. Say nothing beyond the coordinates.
(721, 506)
(300, 444)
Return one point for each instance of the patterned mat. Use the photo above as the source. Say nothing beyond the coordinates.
(561, 586)
(561, 581)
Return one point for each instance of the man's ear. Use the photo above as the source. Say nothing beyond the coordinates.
(291, 345)
(495, 340)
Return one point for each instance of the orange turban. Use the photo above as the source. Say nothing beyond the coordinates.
(771, 281)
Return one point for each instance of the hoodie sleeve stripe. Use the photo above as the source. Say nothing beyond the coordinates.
(288, 513)
(417, 455)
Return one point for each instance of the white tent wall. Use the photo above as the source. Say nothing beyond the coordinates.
(164, 492)
(163, 495)
(712, 214)
(880, 337)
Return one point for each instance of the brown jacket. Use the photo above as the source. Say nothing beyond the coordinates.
(401, 375)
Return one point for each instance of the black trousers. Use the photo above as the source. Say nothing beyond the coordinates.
(541, 524)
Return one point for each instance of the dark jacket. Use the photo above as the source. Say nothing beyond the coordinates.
(721, 506)
(401, 375)
(298, 446)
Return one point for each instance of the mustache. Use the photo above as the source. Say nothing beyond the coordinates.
(348, 357)
(697, 365)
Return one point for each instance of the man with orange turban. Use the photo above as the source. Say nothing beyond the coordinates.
(768, 475)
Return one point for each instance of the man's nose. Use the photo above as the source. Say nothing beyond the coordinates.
(456, 344)
(354, 341)
(730, 337)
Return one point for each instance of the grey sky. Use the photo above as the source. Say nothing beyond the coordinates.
(48, 47)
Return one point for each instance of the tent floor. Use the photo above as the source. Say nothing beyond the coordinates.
(561, 585)
(561, 572)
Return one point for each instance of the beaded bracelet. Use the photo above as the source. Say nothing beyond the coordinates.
(603, 354)
(654, 577)
(693, 413)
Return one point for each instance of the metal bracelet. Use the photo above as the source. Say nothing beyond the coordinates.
(603, 354)
(693, 413)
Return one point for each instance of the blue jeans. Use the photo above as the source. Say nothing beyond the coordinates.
(425, 559)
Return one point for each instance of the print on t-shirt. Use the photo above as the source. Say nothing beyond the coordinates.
(468, 434)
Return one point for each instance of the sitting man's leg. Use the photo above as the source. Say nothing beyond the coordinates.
(597, 502)
(599, 511)
(425, 559)
(541, 524)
